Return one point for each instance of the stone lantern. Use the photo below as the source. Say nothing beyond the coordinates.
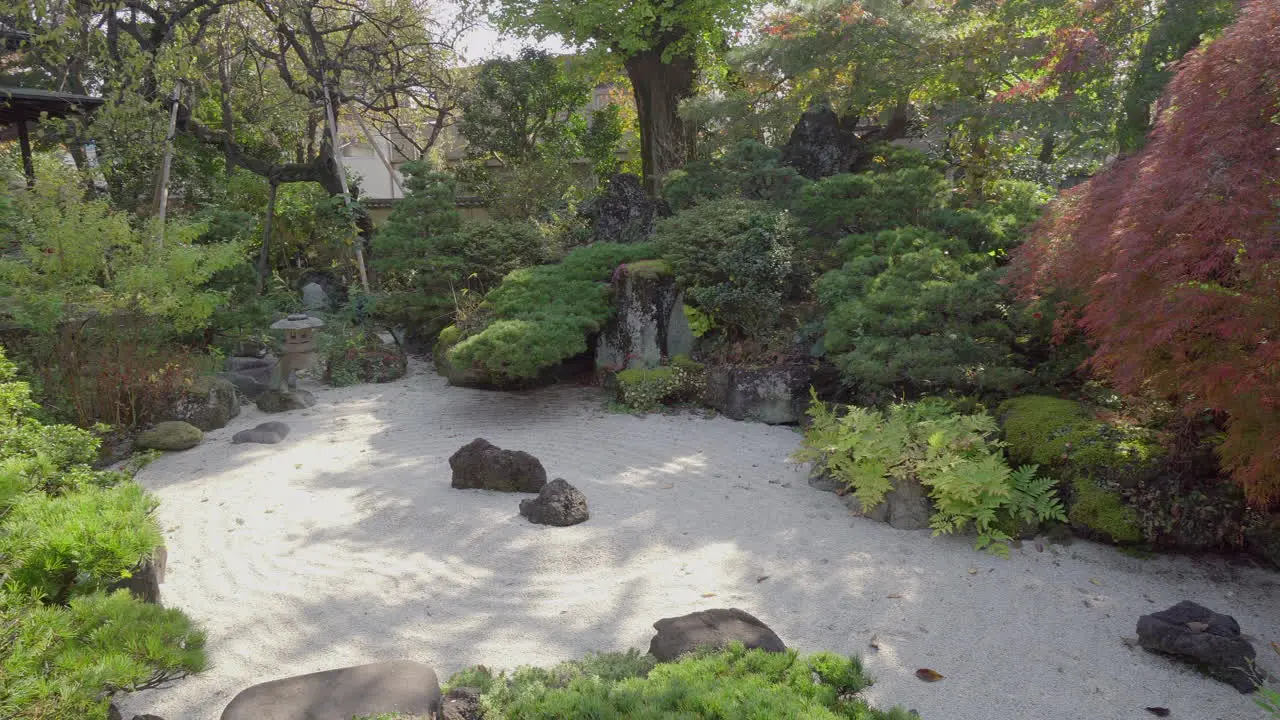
(299, 348)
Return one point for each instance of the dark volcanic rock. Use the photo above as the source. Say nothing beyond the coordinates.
(624, 213)
(1204, 638)
(267, 433)
(822, 144)
(481, 464)
(558, 503)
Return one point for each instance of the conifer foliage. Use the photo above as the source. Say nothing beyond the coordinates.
(1174, 252)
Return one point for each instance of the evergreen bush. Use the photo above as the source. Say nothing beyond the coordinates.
(541, 316)
(733, 257)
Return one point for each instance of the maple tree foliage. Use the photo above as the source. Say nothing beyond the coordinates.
(1174, 251)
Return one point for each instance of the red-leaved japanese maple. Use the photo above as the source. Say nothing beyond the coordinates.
(1175, 250)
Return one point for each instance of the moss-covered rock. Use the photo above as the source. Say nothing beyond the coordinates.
(1098, 464)
(1062, 437)
(171, 435)
(1101, 513)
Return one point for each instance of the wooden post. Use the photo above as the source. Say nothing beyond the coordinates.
(264, 258)
(168, 159)
(24, 142)
(342, 178)
(395, 177)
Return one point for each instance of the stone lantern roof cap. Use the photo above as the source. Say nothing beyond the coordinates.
(297, 321)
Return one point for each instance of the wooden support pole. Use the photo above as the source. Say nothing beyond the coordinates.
(342, 178)
(24, 142)
(168, 160)
(395, 177)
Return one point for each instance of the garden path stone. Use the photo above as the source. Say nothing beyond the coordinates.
(711, 628)
(273, 401)
(481, 464)
(1197, 635)
(401, 686)
(558, 503)
(267, 433)
(171, 435)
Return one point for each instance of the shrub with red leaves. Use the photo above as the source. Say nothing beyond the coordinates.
(1175, 251)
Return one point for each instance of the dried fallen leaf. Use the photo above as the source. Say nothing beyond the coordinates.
(1275, 646)
(668, 486)
(1158, 711)
(1197, 627)
(708, 594)
(1095, 581)
(895, 596)
(973, 571)
(762, 578)
(842, 491)
(928, 675)
(875, 642)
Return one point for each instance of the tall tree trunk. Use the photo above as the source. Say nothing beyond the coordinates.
(264, 253)
(666, 141)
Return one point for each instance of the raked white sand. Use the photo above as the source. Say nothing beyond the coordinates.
(345, 545)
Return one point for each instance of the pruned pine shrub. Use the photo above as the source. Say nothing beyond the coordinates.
(723, 685)
(67, 532)
(955, 456)
(541, 316)
(61, 663)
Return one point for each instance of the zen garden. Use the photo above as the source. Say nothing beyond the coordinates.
(582, 359)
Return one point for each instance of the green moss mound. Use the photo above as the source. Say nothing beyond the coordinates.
(1103, 513)
(1061, 434)
(733, 684)
(648, 389)
(541, 316)
(1096, 459)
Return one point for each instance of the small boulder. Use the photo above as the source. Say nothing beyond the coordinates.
(314, 297)
(822, 143)
(714, 628)
(267, 433)
(462, 703)
(624, 212)
(558, 503)
(905, 507)
(776, 395)
(273, 401)
(1204, 638)
(481, 464)
(398, 686)
(209, 403)
(171, 435)
(147, 717)
(145, 578)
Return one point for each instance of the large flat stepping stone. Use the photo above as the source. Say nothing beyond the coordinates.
(1206, 639)
(401, 686)
(714, 628)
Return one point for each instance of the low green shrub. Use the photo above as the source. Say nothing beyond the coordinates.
(68, 532)
(362, 356)
(922, 322)
(747, 170)
(870, 201)
(541, 316)
(63, 662)
(730, 684)
(79, 542)
(953, 455)
(648, 389)
(733, 257)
